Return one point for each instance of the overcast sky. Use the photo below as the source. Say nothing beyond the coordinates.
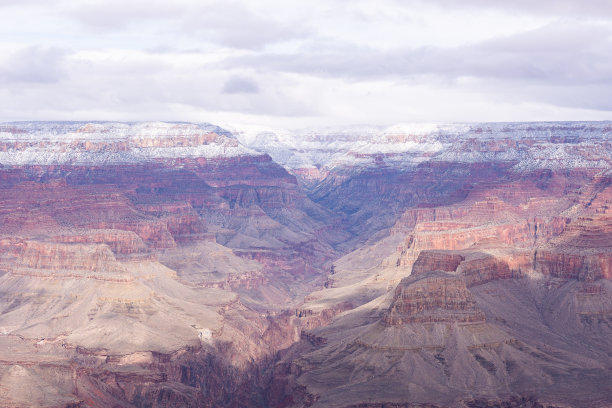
(297, 63)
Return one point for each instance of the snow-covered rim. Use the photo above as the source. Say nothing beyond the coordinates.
(539, 144)
(48, 143)
(551, 144)
(103, 131)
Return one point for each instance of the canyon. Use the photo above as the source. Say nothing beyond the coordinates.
(186, 265)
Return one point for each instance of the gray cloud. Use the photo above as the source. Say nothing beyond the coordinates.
(234, 25)
(238, 85)
(231, 24)
(554, 53)
(567, 65)
(35, 64)
(117, 15)
(142, 87)
(12, 3)
(572, 8)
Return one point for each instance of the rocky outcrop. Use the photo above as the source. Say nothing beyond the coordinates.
(154, 233)
(310, 319)
(486, 268)
(434, 297)
(477, 268)
(48, 259)
(583, 251)
(186, 228)
(573, 266)
(410, 218)
(456, 236)
(436, 261)
(121, 242)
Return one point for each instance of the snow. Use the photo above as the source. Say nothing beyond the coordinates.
(46, 143)
(526, 146)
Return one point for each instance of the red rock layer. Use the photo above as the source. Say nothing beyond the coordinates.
(308, 319)
(574, 266)
(436, 261)
(49, 259)
(119, 241)
(489, 268)
(434, 298)
(583, 251)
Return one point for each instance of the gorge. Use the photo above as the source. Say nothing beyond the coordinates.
(186, 265)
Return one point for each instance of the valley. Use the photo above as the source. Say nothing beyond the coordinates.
(175, 265)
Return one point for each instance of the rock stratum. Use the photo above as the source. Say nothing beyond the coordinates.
(184, 265)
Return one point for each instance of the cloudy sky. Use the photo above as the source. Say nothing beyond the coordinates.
(297, 63)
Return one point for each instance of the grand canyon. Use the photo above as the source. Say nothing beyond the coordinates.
(158, 264)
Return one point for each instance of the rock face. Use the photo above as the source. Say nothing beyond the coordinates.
(436, 261)
(60, 260)
(483, 269)
(181, 265)
(121, 242)
(432, 299)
